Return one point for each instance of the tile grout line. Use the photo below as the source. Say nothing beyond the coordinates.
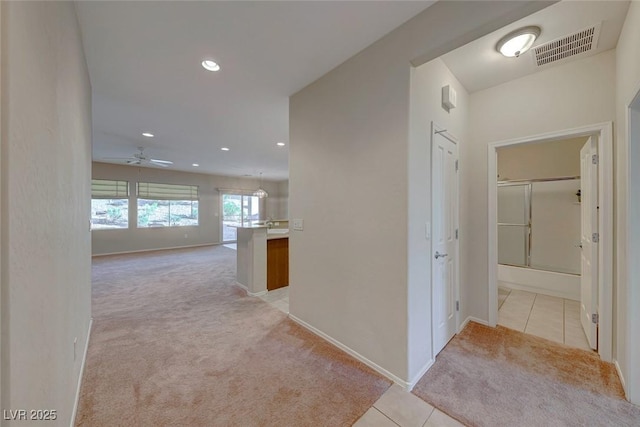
(530, 311)
(374, 407)
(433, 410)
(564, 321)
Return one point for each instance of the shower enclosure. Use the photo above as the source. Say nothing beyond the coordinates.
(539, 224)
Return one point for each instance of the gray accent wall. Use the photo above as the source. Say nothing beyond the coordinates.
(353, 276)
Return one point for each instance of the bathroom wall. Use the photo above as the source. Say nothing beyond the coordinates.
(544, 160)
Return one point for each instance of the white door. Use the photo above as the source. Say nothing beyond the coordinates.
(589, 242)
(444, 207)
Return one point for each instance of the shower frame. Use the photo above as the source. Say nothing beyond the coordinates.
(528, 184)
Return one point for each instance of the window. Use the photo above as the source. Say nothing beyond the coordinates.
(109, 204)
(167, 205)
(238, 209)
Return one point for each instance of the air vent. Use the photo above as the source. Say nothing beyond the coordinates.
(571, 46)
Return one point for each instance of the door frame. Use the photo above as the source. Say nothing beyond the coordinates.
(631, 321)
(436, 129)
(604, 133)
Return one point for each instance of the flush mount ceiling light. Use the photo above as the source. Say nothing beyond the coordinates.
(195, 165)
(518, 42)
(280, 144)
(210, 65)
(260, 192)
(148, 135)
(224, 149)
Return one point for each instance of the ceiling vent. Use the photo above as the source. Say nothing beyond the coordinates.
(575, 45)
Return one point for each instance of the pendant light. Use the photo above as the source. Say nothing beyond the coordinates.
(260, 192)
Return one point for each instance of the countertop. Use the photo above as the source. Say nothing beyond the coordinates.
(277, 236)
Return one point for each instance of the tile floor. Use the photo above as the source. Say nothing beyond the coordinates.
(279, 298)
(553, 318)
(398, 407)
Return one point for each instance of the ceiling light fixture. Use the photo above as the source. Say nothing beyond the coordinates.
(280, 144)
(148, 135)
(260, 192)
(518, 42)
(210, 65)
(224, 149)
(195, 165)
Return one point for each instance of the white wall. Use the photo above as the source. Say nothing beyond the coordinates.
(426, 106)
(349, 181)
(627, 293)
(46, 248)
(208, 230)
(566, 96)
(282, 200)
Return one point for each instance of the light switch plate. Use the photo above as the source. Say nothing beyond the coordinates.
(298, 224)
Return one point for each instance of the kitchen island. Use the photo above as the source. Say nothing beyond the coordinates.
(262, 258)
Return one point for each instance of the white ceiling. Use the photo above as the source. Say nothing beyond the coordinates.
(478, 65)
(144, 64)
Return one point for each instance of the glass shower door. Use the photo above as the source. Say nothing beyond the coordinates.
(514, 224)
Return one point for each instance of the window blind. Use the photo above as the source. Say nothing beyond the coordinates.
(155, 191)
(109, 189)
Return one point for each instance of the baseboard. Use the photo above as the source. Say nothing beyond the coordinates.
(251, 294)
(257, 294)
(156, 249)
(624, 384)
(84, 361)
(240, 285)
(402, 383)
(420, 374)
(472, 319)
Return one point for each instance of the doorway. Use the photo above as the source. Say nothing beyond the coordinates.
(602, 135)
(238, 210)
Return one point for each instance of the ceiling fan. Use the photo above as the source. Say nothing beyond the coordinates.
(142, 160)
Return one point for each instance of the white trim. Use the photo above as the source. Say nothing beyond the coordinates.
(256, 294)
(251, 294)
(242, 286)
(624, 384)
(472, 319)
(632, 230)
(404, 384)
(605, 223)
(157, 249)
(74, 413)
(420, 374)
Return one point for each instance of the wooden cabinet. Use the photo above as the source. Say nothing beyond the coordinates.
(277, 263)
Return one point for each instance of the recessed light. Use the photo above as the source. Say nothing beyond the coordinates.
(148, 135)
(518, 42)
(280, 144)
(224, 149)
(195, 165)
(210, 65)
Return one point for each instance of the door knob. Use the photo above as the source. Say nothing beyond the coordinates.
(439, 255)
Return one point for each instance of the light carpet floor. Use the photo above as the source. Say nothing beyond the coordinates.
(501, 377)
(176, 343)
